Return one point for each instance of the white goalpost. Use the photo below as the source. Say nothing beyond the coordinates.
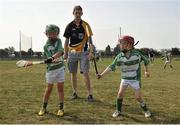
(25, 43)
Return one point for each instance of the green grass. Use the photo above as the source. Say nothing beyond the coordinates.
(21, 92)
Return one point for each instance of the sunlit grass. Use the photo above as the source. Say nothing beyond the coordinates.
(21, 92)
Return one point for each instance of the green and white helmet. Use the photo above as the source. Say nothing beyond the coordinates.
(52, 28)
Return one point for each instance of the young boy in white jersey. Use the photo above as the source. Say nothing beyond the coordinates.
(55, 73)
(168, 58)
(129, 61)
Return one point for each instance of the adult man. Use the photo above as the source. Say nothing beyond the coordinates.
(78, 38)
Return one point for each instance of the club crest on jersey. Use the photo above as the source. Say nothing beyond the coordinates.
(80, 35)
(51, 48)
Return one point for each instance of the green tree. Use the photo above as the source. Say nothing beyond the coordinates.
(175, 51)
(11, 50)
(4, 53)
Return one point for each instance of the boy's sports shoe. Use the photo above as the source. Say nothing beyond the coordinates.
(74, 96)
(60, 113)
(42, 111)
(90, 98)
(147, 114)
(116, 114)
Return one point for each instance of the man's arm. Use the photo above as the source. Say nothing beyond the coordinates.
(91, 48)
(66, 49)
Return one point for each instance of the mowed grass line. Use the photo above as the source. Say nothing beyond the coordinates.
(21, 92)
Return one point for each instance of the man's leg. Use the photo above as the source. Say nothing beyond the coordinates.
(74, 81)
(89, 87)
(72, 66)
(88, 83)
(84, 67)
(74, 84)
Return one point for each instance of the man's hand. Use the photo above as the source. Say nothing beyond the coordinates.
(65, 56)
(49, 60)
(147, 74)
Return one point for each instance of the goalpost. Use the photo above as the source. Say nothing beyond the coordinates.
(25, 43)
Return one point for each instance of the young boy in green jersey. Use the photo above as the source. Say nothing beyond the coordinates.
(55, 73)
(129, 61)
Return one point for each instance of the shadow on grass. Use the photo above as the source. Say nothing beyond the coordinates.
(67, 118)
(94, 102)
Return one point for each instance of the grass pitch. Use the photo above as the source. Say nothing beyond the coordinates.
(21, 92)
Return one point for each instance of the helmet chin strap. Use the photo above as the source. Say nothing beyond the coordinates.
(124, 51)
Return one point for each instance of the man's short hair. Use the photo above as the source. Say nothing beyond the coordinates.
(78, 7)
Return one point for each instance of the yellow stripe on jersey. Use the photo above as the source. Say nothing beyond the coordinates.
(80, 46)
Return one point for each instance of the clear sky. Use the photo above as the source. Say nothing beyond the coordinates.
(155, 23)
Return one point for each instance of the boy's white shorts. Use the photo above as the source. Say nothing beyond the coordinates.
(55, 76)
(135, 84)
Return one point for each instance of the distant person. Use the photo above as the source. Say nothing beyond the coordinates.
(151, 56)
(79, 48)
(55, 73)
(167, 57)
(129, 60)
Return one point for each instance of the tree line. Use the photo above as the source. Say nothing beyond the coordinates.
(110, 52)
(107, 52)
(11, 53)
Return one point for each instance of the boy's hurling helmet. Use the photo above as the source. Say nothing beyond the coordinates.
(52, 28)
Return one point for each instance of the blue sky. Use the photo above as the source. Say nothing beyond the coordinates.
(155, 23)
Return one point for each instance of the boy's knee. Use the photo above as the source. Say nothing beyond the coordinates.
(49, 89)
(60, 88)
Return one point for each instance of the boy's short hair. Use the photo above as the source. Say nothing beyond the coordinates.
(78, 7)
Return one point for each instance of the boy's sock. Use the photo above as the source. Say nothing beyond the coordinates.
(119, 104)
(61, 105)
(45, 105)
(143, 106)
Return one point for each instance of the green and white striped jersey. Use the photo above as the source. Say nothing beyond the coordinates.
(130, 67)
(50, 49)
